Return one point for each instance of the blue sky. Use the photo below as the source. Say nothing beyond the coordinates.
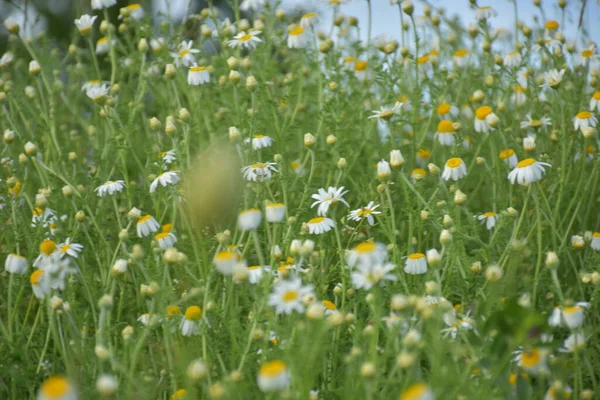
(386, 18)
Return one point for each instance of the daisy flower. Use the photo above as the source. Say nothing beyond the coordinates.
(422, 156)
(110, 188)
(383, 170)
(486, 12)
(288, 294)
(573, 316)
(102, 46)
(191, 321)
(509, 157)
(135, 10)
(226, 261)
(97, 93)
(366, 212)
(15, 264)
(70, 249)
(247, 40)
(584, 119)
(446, 111)
(320, 225)
(573, 343)
(513, 59)
(385, 113)
(165, 239)
(261, 142)
(553, 78)
(396, 159)
(6, 58)
(259, 171)
(595, 102)
(415, 264)
(361, 70)
(273, 376)
(489, 219)
(577, 241)
(255, 273)
(169, 157)
(417, 174)
(58, 387)
(533, 360)
(43, 217)
(445, 133)
(595, 243)
(518, 96)
(367, 276)
(249, 220)
(535, 123)
(185, 54)
(527, 171)
(455, 169)
(146, 225)
(297, 38)
(275, 212)
(587, 55)
(326, 198)
(367, 254)
(417, 391)
(308, 20)
(461, 57)
(98, 4)
(484, 119)
(198, 75)
(85, 23)
(164, 179)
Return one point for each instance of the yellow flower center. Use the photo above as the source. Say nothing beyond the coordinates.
(329, 305)
(297, 31)
(167, 228)
(423, 153)
(531, 358)
(254, 267)
(418, 173)
(143, 219)
(535, 123)
(55, 387)
(199, 68)
(445, 126)
(584, 115)
(102, 40)
(65, 247)
(294, 164)
(316, 220)
(47, 247)
(225, 256)
(290, 295)
(173, 310)
(444, 108)
(526, 163)
(135, 6)
(482, 112)
(193, 313)
(571, 310)
(36, 277)
(414, 392)
(504, 154)
(348, 59)
(161, 235)
(552, 25)
(596, 234)
(309, 15)
(454, 162)
(416, 256)
(180, 394)
(596, 96)
(519, 88)
(423, 60)
(587, 53)
(364, 211)
(361, 65)
(272, 369)
(365, 247)
(461, 53)
(259, 165)
(245, 38)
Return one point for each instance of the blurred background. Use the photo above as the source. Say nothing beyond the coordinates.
(55, 17)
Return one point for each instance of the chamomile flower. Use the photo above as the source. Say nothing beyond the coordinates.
(39, 283)
(198, 75)
(251, 5)
(565, 392)
(484, 13)
(366, 276)
(85, 23)
(577, 242)
(455, 169)
(275, 212)
(273, 376)
(484, 119)
(461, 57)
(191, 321)
(57, 387)
(445, 133)
(584, 119)
(259, 172)
(102, 46)
(136, 11)
(527, 171)
(15, 264)
(326, 198)
(246, 40)
(532, 360)
(99, 4)
(146, 225)
(70, 249)
(164, 179)
(320, 225)
(446, 111)
(386, 113)
(261, 142)
(185, 54)
(513, 59)
(255, 273)
(226, 261)
(97, 93)
(330, 307)
(489, 219)
(587, 55)
(287, 296)
(297, 38)
(509, 157)
(415, 264)
(249, 220)
(518, 96)
(418, 174)
(573, 343)
(417, 391)
(595, 243)
(595, 102)
(308, 20)
(573, 316)
(422, 157)
(553, 78)
(366, 212)
(169, 157)
(366, 253)
(535, 123)
(165, 239)
(44, 218)
(110, 188)
(361, 70)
